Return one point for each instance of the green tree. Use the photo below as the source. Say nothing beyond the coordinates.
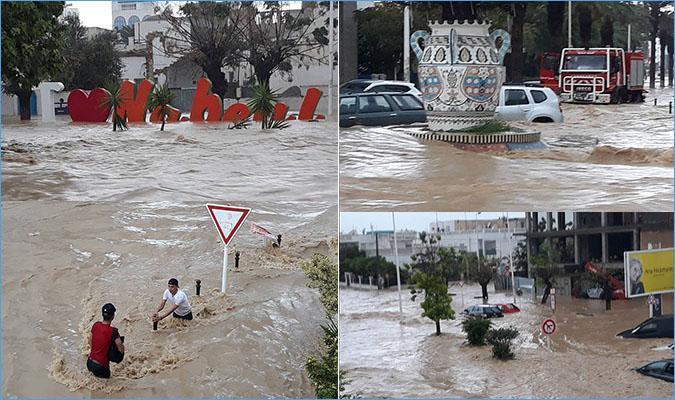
(476, 329)
(323, 370)
(90, 62)
(114, 100)
(32, 45)
(501, 339)
(282, 38)
(262, 103)
(161, 97)
(520, 259)
(429, 277)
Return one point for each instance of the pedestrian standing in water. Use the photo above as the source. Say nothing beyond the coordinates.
(179, 305)
(100, 341)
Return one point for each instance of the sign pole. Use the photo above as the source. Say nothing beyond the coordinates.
(398, 270)
(224, 269)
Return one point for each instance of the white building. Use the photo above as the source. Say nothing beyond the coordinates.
(128, 13)
(492, 238)
(382, 243)
(149, 55)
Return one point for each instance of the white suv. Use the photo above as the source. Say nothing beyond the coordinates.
(375, 86)
(528, 103)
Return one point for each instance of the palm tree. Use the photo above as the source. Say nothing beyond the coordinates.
(161, 98)
(262, 102)
(114, 100)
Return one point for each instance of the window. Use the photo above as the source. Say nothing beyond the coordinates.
(658, 366)
(133, 19)
(373, 104)
(128, 6)
(407, 102)
(669, 369)
(538, 96)
(348, 105)
(390, 88)
(119, 23)
(585, 62)
(648, 328)
(516, 97)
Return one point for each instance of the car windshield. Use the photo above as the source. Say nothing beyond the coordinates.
(585, 62)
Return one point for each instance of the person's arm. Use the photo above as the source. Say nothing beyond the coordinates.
(119, 344)
(161, 306)
(171, 309)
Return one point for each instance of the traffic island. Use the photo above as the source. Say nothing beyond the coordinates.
(513, 139)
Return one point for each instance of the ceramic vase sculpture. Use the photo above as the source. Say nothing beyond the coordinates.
(460, 72)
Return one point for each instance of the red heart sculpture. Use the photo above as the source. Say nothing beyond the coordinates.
(88, 107)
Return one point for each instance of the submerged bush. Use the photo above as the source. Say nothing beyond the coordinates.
(476, 329)
(500, 339)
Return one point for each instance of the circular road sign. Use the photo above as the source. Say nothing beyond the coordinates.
(548, 326)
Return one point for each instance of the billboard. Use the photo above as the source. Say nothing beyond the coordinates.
(648, 272)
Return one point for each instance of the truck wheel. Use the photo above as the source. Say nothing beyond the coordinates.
(615, 96)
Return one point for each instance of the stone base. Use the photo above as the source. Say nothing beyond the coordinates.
(455, 121)
(480, 138)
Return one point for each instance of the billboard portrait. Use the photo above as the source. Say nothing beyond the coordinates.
(648, 272)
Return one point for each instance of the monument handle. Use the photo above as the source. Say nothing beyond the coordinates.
(415, 45)
(506, 43)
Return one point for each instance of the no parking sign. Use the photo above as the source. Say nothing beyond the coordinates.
(548, 326)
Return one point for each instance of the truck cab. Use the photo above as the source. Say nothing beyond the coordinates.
(595, 75)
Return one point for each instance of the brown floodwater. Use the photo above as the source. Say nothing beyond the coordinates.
(385, 356)
(91, 216)
(617, 157)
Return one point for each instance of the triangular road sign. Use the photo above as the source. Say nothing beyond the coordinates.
(227, 219)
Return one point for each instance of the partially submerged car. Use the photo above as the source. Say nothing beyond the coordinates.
(380, 109)
(377, 86)
(483, 311)
(508, 308)
(528, 103)
(658, 369)
(656, 327)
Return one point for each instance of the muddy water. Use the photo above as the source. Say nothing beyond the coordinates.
(609, 156)
(383, 357)
(99, 217)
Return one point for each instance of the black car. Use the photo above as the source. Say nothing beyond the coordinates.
(379, 109)
(483, 311)
(656, 327)
(658, 369)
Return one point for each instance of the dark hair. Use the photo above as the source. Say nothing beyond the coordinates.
(108, 317)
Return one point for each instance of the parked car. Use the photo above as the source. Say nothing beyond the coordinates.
(483, 311)
(528, 103)
(378, 109)
(656, 327)
(377, 86)
(508, 308)
(658, 369)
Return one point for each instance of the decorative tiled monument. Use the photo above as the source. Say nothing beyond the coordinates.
(461, 74)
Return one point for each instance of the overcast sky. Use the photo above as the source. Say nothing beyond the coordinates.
(418, 221)
(94, 13)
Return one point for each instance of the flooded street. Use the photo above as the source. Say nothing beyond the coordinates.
(601, 157)
(91, 216)
(383, 357)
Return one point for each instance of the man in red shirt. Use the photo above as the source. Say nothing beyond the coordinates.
(100, 341)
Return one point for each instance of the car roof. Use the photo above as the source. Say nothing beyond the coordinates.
(402, 83)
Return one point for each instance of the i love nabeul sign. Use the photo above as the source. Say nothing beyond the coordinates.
(87, 106)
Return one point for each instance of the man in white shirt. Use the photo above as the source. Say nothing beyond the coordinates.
(179, 304)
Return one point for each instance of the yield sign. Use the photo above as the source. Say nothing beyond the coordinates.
(227, 219)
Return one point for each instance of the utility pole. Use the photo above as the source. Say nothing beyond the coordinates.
(398, 270)
(406, 43)
(330, 57)
(569, 23)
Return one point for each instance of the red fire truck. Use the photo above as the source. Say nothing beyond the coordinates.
(595, 75)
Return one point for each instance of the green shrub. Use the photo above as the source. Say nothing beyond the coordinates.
(476, 329)
(500, 339)
(488, 127)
